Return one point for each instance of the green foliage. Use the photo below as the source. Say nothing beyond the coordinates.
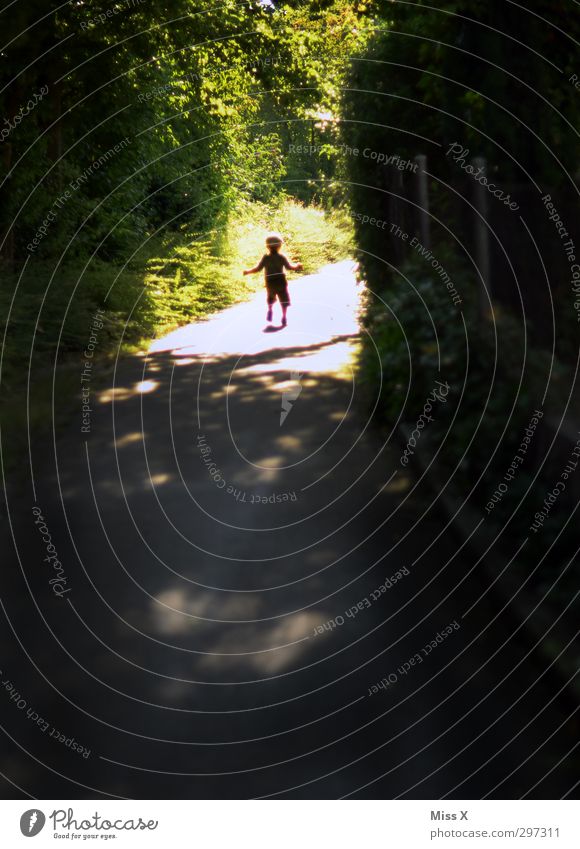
(421, 337)
(475, 72)
(154, 161)
(202, 96)
(415, 337)
(429, 77)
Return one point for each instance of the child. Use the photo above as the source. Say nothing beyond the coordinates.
(274, 264)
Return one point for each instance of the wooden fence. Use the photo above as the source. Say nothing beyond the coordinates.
(523, 259)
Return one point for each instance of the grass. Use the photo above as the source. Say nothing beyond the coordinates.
(193, 275)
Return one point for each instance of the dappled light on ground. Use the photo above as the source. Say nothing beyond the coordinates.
(234, 518)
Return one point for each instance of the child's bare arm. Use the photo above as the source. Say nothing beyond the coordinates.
(292, 266)
(258, 267)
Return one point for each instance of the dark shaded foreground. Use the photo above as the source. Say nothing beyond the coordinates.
(184, 654)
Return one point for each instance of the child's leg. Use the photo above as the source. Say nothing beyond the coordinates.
(270, 301)
(284, 303)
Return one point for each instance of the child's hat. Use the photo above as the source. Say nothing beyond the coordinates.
(274, 239)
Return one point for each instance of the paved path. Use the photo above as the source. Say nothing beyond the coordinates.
(230, 499)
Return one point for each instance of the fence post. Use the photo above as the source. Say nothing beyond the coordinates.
(482, 257)
(422, 195)
(397, 214)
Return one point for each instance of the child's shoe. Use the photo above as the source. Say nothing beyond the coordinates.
(269, 314)
(284, 322)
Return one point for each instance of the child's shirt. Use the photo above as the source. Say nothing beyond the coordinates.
(274, 265)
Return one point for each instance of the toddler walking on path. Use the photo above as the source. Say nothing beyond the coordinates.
(274, 264)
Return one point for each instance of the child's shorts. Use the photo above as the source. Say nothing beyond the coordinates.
(278, 289)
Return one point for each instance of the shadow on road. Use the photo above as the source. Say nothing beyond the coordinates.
(260, 601)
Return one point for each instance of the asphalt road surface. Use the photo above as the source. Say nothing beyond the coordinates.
(238, 560)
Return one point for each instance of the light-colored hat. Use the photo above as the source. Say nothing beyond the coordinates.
(274, 239)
